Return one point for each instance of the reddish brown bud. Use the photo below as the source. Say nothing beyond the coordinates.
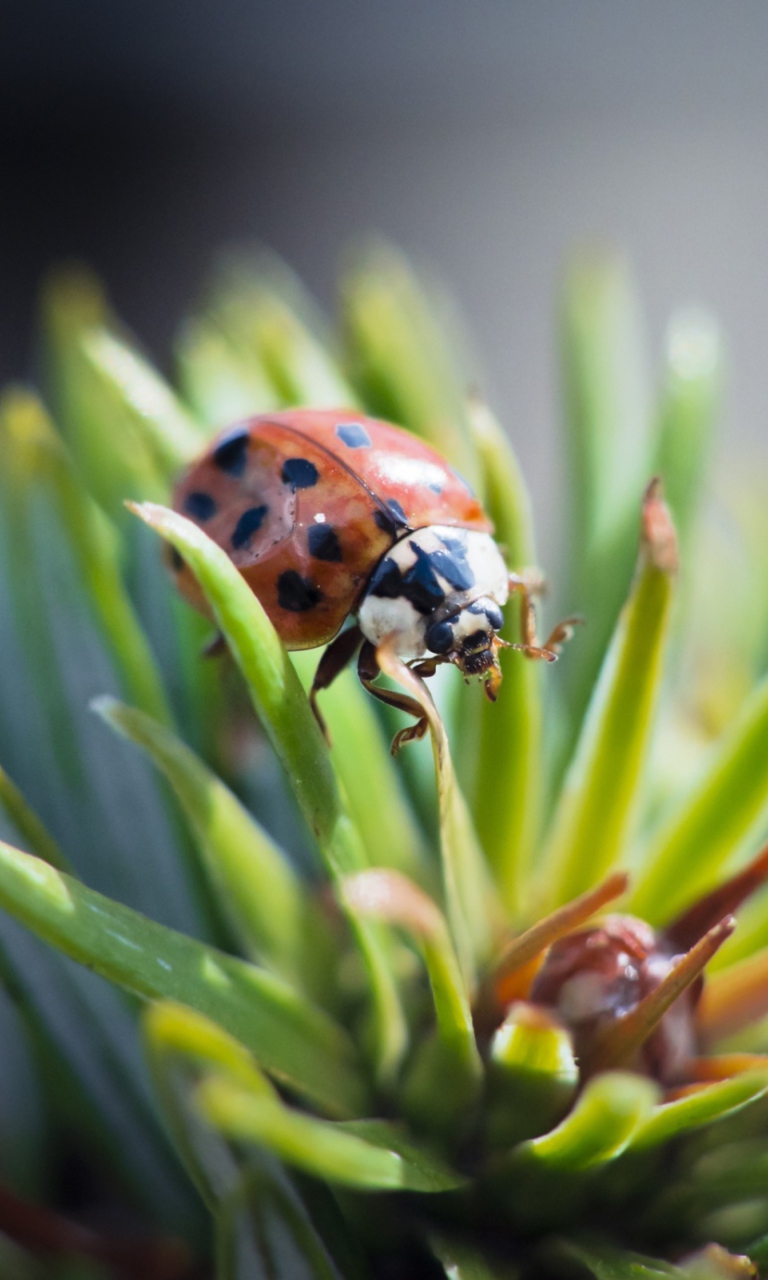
(658, 539)
(595, 977)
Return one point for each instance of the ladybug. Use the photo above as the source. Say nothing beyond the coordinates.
(330, 515)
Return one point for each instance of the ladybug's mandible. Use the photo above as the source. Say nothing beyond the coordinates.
(328, 515)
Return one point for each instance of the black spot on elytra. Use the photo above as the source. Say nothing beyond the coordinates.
(231, 453)
(200, 506)
(323, 543)
(249, 522)
(177, 563)
(384, 521)
(353, 435)
(297, 594)
(393, 518)
(299, 472)
(398, 515)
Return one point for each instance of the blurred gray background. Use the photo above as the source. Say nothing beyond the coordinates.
(486, 137)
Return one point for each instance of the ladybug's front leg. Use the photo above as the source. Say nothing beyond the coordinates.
(427, 666)
(368, 669)
(339, 653)
(528, 584)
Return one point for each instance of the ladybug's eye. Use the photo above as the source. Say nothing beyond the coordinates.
(495, 616)
(439, 637)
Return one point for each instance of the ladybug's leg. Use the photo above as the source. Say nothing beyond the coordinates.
(428, 666)
(340, 651)
(368, 669)
(528, 585)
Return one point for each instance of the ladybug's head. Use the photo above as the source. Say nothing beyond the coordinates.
(438, 592)
(469, 639)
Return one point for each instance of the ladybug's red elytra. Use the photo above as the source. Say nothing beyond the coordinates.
(330, 515)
